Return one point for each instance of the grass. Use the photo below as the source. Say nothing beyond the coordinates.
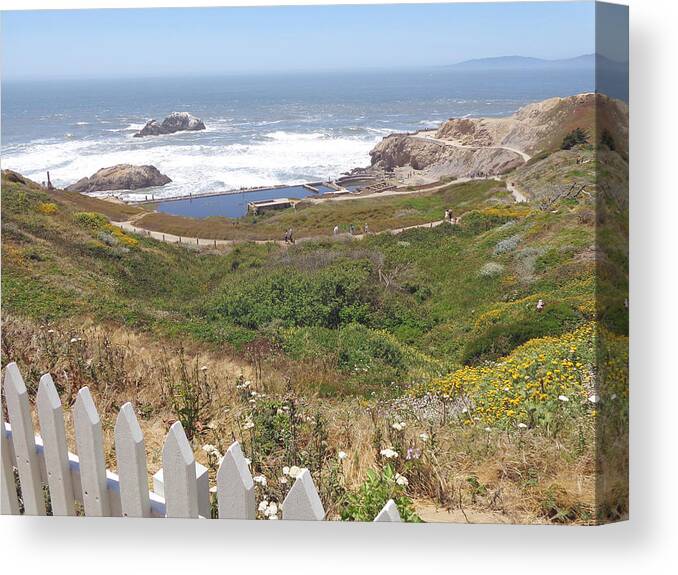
(341, 340)
(311, 219)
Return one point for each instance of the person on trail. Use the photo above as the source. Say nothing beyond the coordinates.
(286, 237)
(540, 305)
(447, 215)
(335, 231)
(366, 229)
(351, 229)
(290, 236)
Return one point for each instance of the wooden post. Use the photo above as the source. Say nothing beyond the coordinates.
(131, 455)
(23, 439)
(90, 442)
(235, 487)
(180, 486)
(53, 433)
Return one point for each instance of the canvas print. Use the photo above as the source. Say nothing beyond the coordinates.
(341, 263)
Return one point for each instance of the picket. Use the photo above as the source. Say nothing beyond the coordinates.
(90, 443)
(389, 513)
(178, 463)
(83, 478)
(130, 453)
(202, 483)
(18, 408)
(303, 502)
(53, 433)
(9, 502)
(235, 487)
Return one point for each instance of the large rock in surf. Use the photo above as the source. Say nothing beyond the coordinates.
(175, 122)
(121, 177)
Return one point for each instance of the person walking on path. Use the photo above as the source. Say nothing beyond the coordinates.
(335, 231)
(290, 236)
(540, 305)
(366, 229)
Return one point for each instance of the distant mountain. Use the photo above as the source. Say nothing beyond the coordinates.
(525, 63)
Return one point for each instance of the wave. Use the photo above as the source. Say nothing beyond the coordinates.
(199, 165)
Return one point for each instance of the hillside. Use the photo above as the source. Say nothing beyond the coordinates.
(342, 340)
(463, 147)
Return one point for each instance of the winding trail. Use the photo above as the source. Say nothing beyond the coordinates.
(456, 144)
(129, 226)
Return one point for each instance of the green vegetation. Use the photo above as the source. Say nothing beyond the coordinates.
(418, 343)
(576, 137)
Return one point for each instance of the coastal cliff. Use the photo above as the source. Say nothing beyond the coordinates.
(468, 147)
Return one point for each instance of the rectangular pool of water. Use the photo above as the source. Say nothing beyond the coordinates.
(231, 205)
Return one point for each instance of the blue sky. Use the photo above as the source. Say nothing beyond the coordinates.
(200, 41)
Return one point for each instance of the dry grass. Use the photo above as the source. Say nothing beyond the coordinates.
(466, 473)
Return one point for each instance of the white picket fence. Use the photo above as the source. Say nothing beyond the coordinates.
(180, 489)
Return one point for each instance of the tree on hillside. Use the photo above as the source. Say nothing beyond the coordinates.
(574, 138)
(606, 139)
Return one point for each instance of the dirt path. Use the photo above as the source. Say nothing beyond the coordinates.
(518, 196)
(129, 226)
(456, 144)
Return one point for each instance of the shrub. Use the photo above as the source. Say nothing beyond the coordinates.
(575, 138)
(491, 269)
(92, 221)
(47, 208)
(507, 245)
(379, 486)
(501, 338)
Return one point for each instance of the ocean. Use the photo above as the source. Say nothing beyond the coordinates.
(261, 130)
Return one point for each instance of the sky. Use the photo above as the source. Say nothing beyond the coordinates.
(204, 41)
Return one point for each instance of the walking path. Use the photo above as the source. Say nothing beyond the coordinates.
(129, 226)
(456, 144)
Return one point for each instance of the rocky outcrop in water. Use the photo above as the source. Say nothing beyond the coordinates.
(175, 122)
(121, 177)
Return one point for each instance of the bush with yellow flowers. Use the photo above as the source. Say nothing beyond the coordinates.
(47, 208)
(534, 385)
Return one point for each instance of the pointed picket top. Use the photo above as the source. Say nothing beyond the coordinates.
(303, 502)
(130, 452)
(90, 442)
(53, 432)
(180, 485)
(235, 487)
(389, 513)
(23, 438)
(9, 502)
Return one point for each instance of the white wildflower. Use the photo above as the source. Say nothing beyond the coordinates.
(203, 368)
(563, 398)
(401, 479)
(295, 471)
(342, 455)
(389, 453)
(286, 470)
(282, 480)
(424, 436)
(522, 426)
(260, 479)
(594, 398)
(488, 429)
(249, 424)
(398, 426)
(263, 505)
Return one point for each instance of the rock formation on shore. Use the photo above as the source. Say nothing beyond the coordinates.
(466, 147)
(120, 177)
(175, 122)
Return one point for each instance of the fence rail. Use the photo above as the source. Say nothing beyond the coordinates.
(180, 489)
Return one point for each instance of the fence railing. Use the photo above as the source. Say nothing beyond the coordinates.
(180, 489)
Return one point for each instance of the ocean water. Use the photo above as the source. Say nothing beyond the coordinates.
(261, 130)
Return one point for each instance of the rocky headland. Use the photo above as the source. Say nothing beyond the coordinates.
(175, 122)
(482, 147)
(120, 177)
